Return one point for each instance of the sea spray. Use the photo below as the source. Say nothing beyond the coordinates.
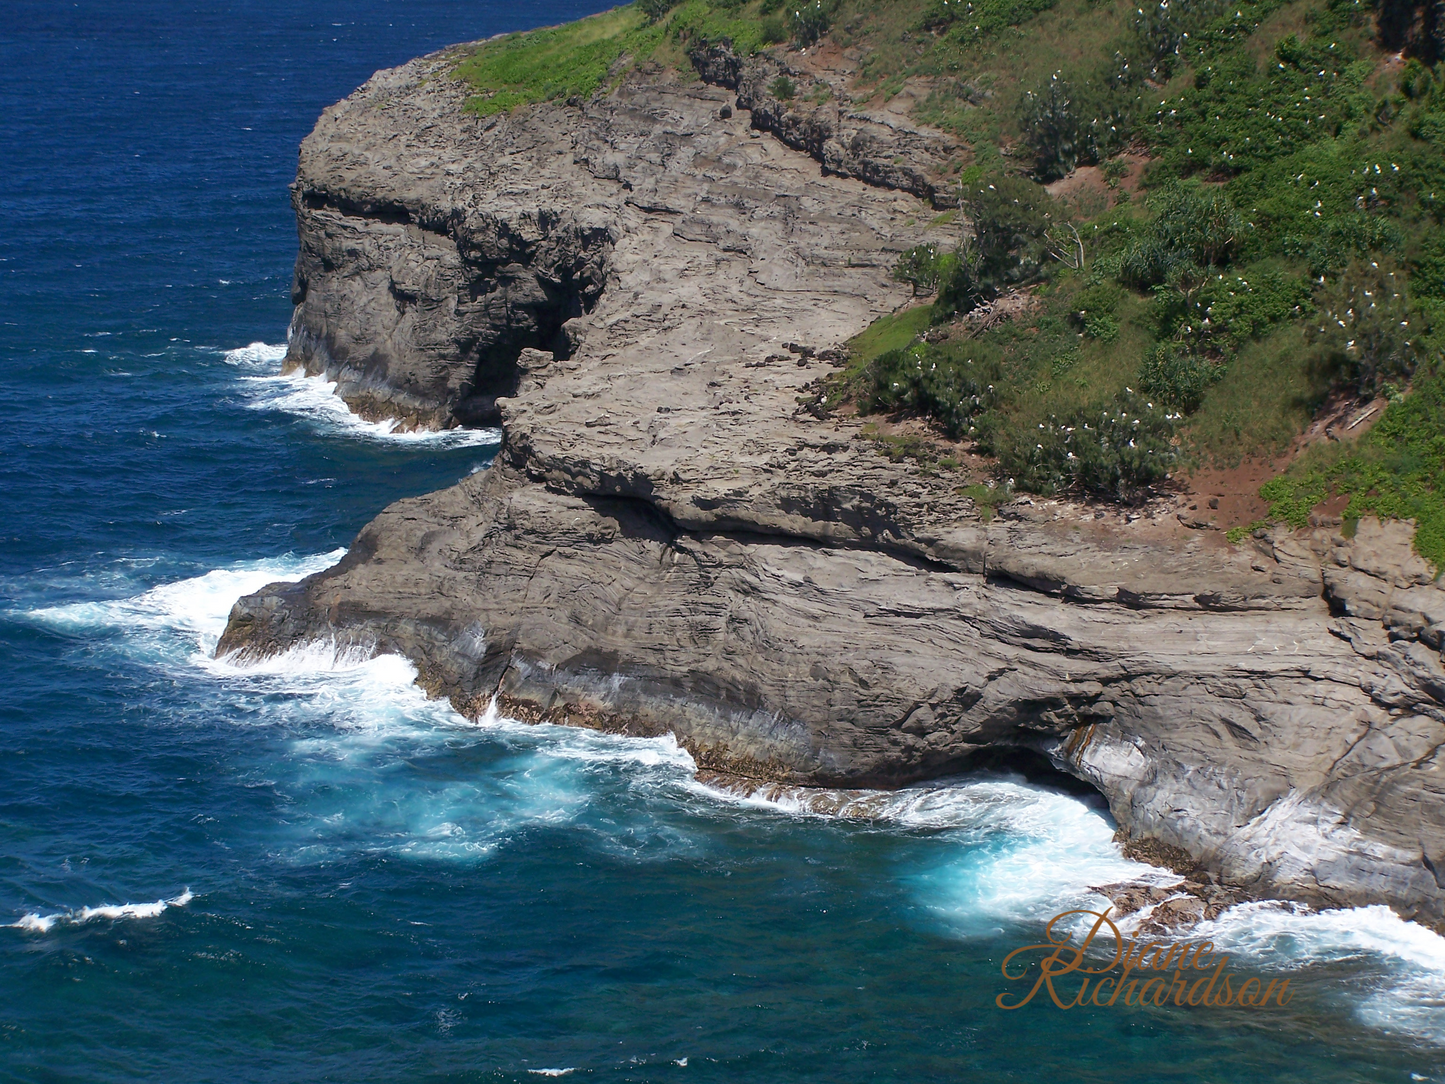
(314, 399)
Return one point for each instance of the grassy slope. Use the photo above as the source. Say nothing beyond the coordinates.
(1292, 134)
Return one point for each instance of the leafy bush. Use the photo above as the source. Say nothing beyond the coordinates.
(1237, 117)
(1115, 452)
(1011, 217)
(975, 20)
(923, 267)
(1066, 125)
(928, 380)
(782, 88)
(653, 10)
(1343, 239)
(1427, 269)
(772, 30)
(1093, 312)
(1217, 314)
(810, 22)
(1162, 28)
(1051, 129)
(1367, 319)
(1236, 309)
(1192, 231)
(1178, 378)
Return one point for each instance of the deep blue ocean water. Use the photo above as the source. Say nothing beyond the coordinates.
(306, 871)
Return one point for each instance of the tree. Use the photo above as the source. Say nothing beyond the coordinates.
(1011, 218)
(1367, 319)
(1051, 128)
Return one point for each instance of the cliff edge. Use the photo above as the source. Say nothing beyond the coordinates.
(643, 289)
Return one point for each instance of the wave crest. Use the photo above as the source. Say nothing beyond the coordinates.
(34, 922)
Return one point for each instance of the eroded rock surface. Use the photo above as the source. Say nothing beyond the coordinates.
(667, 543)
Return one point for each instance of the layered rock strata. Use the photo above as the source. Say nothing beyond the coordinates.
(642, 290)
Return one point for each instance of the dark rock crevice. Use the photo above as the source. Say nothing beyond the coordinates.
(461, 298)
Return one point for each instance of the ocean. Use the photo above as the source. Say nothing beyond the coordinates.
(305, 870)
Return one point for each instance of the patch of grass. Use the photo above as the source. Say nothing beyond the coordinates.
(1397, 470)
(1266, 398)
(783, 89)
(892, 332)
(988, 498)
(579, 58)
(556, 62)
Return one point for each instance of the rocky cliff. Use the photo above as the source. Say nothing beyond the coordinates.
(642, 288)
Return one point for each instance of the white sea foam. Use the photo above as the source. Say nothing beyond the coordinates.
(552, 1072)
(314, 398)
(38, 923)
(1022, 851)
(1007, 851)
(196, 608)
(1399, 966)
(257, 355)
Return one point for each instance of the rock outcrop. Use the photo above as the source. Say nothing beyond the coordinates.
(642, 290)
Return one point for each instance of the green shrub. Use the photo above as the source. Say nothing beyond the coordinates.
(1162, 28)
(975, 20)
(928, 380)
(1149, 262)
(1367, 320)
(1236, 308)
(1192, 231)
(654, 10)
(1068, 124)
(1344, 238)
(1010, 218)
(1052, 130)
(810, 22)
(964, 288)
(1093, 311)
(1238, 117)
(923, 267)
(1218, 314)
(1115, 452)
(1427, 269)
(782, 88)
(1178, 378)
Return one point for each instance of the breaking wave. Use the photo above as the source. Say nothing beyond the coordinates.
(314, 398)
(38, 923)
(369, 767)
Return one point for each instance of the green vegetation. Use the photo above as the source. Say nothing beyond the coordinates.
(557, 62)
(1288, 238)
(1289, 242)
(577, 59)
(1396, 470)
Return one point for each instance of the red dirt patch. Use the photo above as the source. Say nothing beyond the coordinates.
(1086, 193)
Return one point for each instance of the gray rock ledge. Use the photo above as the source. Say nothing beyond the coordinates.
(667, 543)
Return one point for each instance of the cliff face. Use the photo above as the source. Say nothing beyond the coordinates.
(642, 290)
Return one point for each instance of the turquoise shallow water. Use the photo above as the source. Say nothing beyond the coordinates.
(306, 871)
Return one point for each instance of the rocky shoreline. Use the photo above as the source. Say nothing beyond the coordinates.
(669, 542)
